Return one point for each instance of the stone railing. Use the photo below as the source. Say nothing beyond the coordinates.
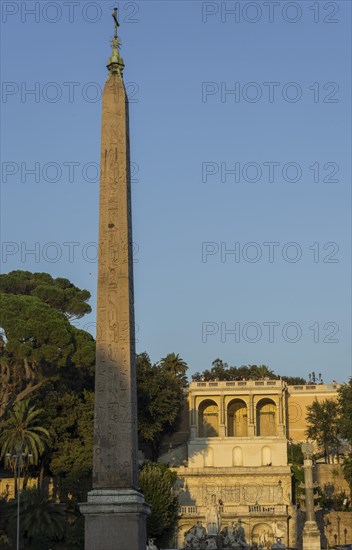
(261, 384)
(188, 510)
(269, 509)
(237, 384)
(238, 510)
(313, 387)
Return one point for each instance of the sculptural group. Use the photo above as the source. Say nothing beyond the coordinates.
(231, 537)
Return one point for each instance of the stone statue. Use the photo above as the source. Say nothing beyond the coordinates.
(210, 544)
(229, 535)
(195, 536)
(278, 545)
(213, 517)
(234, 536)
(151, 545)
(263, 538)
(240, 536)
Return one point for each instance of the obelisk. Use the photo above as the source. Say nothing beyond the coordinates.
(115, 514)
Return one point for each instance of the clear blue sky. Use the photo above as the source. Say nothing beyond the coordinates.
(288, 66)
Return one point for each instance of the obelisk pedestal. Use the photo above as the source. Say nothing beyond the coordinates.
(115, 514)
(115, 520)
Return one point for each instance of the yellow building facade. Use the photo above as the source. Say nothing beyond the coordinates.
(232, 450)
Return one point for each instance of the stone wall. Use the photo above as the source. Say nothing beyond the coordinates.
(7, 486)
(331, 474)
(298, 399)
(261, 497)
(334, 529)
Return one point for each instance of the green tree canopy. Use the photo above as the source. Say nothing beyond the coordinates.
(293, 380)
(160, 401)
(58, 293)
(42, 521)
(22, 432)
(72, 448)
(345, 410)
(323, 425)
(157, 485)
(176, 366)
(37, 341)
(347, 472)
(222, 371)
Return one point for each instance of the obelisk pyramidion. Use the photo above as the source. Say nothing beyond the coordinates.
(115, 514)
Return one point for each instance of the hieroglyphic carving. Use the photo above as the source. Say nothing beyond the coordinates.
(115, 425)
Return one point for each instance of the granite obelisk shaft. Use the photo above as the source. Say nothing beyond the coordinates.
(115, 514)
(115, 427)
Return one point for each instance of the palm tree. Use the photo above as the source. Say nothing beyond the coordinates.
(261, 372)
(40, 517)
(22, 437)
(175, 365)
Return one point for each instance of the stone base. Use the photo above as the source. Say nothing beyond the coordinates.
(311, 536)
(115, 519)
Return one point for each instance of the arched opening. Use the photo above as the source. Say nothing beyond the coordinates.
(266, 418)
(266, 456)
(208, 419)
(237, 419)
(237, 456)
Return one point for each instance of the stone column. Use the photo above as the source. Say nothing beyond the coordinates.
(193, 417)
(281, 427)
(115, 514)
(292, 527)
(222, 430)
(251, 423)
(311, 533)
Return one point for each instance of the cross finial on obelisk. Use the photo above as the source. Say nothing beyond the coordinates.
(115, 61)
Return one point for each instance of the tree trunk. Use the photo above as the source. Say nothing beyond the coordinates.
(155, 448)
(16, 481)
(41, 476)
(25, 481)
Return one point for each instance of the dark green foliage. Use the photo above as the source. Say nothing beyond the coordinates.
(347, 472)
(160, 402)
(345, 410)
(345, 425)
(293, 380)
(157, 484)
(34, 331)
(75, 534)
(39, 344)
(4, 540)
(58, 293)
(22, 432)
(222, 371)
(46, 358)
(176, 366)
(323, 425)
(331, 500)
(298, 478)
(294, 453)
(72, 449)
(42, 521)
